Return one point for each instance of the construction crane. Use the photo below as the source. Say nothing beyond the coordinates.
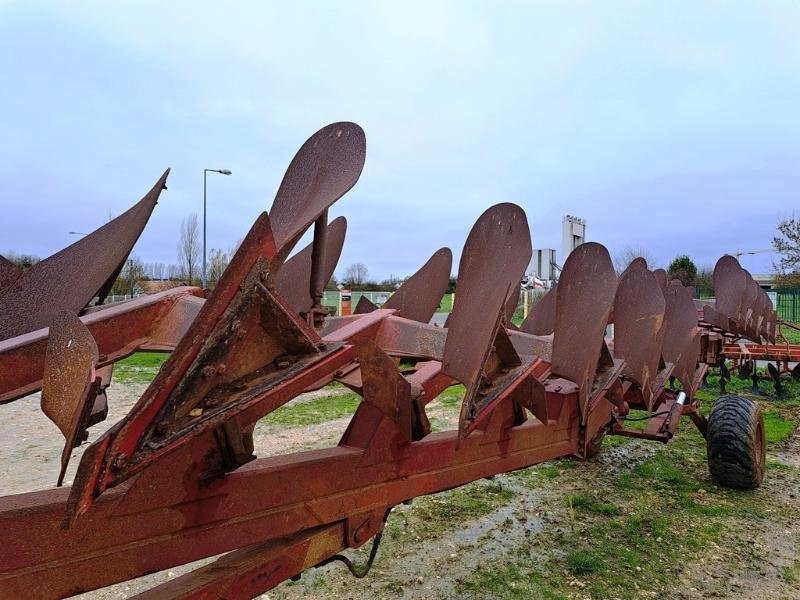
(740, 253)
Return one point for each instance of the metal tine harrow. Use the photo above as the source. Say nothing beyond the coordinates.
(741, 325)
(177, 479)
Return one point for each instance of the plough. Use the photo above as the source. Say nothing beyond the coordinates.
(177, 479)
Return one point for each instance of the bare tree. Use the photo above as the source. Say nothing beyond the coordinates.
(129, 280)
(355, 275)
(189, 249)
(217, 263)
(173, 272)
(787, 244)
(627, 255)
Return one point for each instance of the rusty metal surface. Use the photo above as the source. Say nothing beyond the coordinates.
(495, 255)
(407, 338)
(661, 277)
(681, 344)
(584, 299)
(364, 306)
(69, 279)
(68, 389)
(636, 263)
(9, 273)
(258, 245)
(729, 286)
(747, 306)
(385, 388)
(638, 318)
(325, 167)
(151, 322)
(419, 295)
(189, 519)
(542, 318)
(292, 281)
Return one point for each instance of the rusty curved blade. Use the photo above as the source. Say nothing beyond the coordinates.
(767, 312)
(68, 387)
(69, 279)
(9, 273)
(364, 306)
(758, 319)
(638, 333)
(772, 326)
(770, 321)
(542, 318)
(681, 342)
(661, 277)
(325, 167)
(419, 296)
(747, 307)
(496, 253)
(729, 286)
(584, 298)
(293, 281)
(637, 263)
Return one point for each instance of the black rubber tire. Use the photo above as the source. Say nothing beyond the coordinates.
(735, 443)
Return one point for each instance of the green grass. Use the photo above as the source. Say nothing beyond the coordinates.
(792, 573)
(315, 411)
(463, 504)
(140, 367)
(430, 516)
(452, 396)
(446, 305)
(792, 335)
(776, 428)
(590, 503)
(583, 562)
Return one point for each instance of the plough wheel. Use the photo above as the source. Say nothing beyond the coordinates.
(736, 447)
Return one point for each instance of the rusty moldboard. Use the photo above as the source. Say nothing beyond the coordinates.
(69, 279)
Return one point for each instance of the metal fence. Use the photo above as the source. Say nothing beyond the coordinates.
(788, 304)
(333, 300)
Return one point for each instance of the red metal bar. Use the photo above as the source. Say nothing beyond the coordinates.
(152, 322)
(188, 518)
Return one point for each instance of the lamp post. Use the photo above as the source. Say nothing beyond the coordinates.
(77, 233)
(205, 172)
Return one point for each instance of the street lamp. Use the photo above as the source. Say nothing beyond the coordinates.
(205, 171)
(77, 233)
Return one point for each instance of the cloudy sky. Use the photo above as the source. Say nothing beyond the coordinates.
(668, 126)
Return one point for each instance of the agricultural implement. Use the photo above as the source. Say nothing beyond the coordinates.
(178, 480)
